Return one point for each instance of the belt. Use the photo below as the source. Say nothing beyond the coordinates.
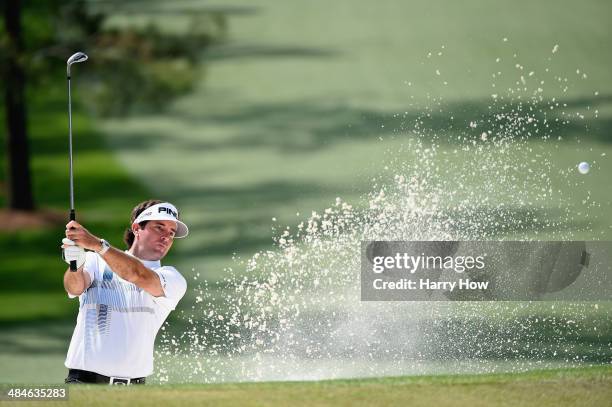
(83, 376)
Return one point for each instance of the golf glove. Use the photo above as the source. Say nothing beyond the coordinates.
(73, 253)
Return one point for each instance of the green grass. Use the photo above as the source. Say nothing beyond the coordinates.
(289, 116)
(34, 306)
(565, 387)
(290, 113)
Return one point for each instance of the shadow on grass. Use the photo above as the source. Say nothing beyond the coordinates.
(306, 126)
(148, 7)
(497, 222)
(248, 224)
(267, 52)
(526, 338)
(522, 339)
(36, 337)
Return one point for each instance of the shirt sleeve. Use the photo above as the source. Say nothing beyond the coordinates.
(90, 267)
(174, 286)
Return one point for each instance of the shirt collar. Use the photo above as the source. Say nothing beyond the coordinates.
(152, 264)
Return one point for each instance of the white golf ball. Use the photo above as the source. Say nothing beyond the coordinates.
(584, 167)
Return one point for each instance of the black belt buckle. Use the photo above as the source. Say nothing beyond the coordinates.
(120, 381)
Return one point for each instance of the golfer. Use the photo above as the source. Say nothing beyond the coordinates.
(124, 296)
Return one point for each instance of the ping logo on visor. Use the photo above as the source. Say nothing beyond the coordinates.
(168, 211)
(164, 211)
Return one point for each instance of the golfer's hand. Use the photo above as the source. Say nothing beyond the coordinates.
(81, 236)
(72, 252)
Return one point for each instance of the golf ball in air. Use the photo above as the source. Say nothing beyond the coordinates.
(584, 167)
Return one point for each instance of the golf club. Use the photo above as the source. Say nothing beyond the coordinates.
(74, 59)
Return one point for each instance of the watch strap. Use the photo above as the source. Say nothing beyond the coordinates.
(105, 247)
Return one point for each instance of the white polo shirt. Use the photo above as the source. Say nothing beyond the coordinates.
(118, 321)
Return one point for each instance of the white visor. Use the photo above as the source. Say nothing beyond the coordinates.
(164, 211)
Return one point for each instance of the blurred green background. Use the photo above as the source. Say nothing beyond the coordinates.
(241, 112)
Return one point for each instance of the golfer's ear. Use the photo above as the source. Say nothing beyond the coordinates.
(135, 228)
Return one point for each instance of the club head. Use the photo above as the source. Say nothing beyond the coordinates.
(76, 58)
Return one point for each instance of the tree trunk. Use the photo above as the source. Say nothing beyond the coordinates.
(19, 184)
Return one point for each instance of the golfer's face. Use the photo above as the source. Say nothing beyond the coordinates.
(156, 238)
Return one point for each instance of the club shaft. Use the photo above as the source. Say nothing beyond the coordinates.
(78, 57)
(70, 146)
(73, 264)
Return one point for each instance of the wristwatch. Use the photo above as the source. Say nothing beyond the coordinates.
(105, 246)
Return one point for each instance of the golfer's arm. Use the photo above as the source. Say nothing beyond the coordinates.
(76, 282)
(131, 269)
